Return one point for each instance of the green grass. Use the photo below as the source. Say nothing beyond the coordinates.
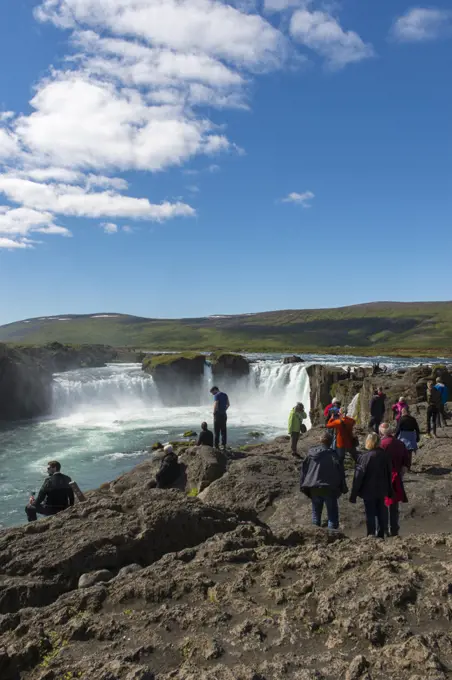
(168, 359)
(401, 329)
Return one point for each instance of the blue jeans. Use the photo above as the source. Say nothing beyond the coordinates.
(376, 516)
(332, 510)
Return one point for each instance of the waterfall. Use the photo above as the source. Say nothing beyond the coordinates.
(123, 392)
(271, 391)
(207, 378)
(353, 406)
(118, 387)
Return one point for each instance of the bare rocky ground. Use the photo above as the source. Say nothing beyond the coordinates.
(233, 584)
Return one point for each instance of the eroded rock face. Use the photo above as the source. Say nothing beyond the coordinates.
(180, 380)
(44, 559)
(25, 386)
(246, 606)
(226, 367)
(294, 359)
(322, 378)
(57, 358)
(26, 375)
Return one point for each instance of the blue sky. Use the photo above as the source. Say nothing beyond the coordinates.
(172, 159)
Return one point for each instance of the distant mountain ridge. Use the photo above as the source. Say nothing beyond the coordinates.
(371, 327)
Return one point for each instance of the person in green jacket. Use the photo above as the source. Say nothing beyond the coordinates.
(296, 417)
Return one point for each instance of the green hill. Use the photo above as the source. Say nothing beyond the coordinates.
(396, 327)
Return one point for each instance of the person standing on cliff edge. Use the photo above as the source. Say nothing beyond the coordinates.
(220, 418)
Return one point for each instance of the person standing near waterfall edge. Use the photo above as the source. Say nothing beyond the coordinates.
(220, 407)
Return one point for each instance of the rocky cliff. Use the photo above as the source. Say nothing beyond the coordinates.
(178, 377)
(138, 583)
(25, 386)
(26, 374)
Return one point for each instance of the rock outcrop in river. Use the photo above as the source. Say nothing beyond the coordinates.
(139, 583)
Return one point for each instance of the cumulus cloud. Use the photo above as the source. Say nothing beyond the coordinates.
(110, 227)
(11, 244)
(421, 24)
(71, 200)
(302, 199)
(17, 223)
(205, 26)
(321, 32)
(135, 93)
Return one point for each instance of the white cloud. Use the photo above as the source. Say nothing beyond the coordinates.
(119, 129)
(302, 199)
(71, 200)
(17, 223)
(110, 227)
(134, 94)
(322, 33)
(421, 24)
(9, 146)
(128, 229)
(205, 26)
(10, 244)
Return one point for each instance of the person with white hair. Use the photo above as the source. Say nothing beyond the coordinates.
(398, 407)
(170, 469)
(401, 462)
(332, 409)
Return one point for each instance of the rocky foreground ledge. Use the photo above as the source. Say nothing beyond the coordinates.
(139, 583)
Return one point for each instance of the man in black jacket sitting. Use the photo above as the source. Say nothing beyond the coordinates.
(56, 494)
(206, 436)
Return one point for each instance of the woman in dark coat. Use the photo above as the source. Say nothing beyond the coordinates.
(373, 483)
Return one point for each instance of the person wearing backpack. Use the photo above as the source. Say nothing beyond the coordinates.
(296, 426)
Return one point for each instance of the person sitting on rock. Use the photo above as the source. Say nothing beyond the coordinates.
(343, 427)
(296, 426)
(56, 494)
(398, 407)
(205, 436)
(401, 462)
(170, 469)
(408, 431)
(373, 483)
(323, 481)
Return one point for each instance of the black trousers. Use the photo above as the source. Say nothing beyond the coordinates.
(33, 510)
(432, 416)
(219, 427)
(374, 424)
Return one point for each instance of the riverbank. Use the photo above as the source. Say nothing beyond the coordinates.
(144, 584)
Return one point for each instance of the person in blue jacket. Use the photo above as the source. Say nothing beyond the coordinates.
(444, 392)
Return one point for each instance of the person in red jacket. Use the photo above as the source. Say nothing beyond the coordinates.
(343, 426)
(401, 462)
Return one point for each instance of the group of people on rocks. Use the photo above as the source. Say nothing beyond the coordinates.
(379, 471)
(57, 492)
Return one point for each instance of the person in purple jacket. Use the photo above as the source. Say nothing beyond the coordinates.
(398, 408)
